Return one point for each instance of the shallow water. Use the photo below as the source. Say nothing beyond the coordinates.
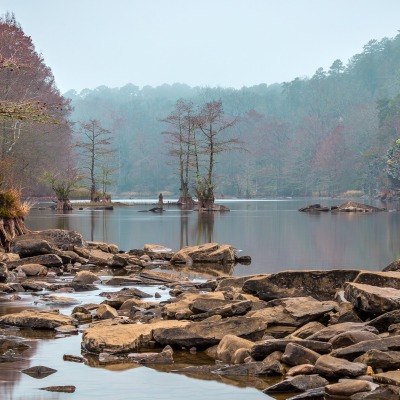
(273, 233)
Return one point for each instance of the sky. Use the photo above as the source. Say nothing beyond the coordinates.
(227, 43)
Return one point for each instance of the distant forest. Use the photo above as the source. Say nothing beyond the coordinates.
(323, 135)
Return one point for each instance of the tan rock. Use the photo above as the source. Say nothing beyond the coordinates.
(229, 345)
(123, 338)
(36, 319)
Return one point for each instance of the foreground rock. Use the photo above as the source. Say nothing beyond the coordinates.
(36, 319)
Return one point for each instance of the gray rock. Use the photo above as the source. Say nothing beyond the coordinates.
(322, 285)
(48, 260)
(385, 360)
(299, 383)
(347, 388)
(260, 350)
(352, 337)
(329, 332)
(295, 354)
(372, 299)
(333, 367)
(356, 350)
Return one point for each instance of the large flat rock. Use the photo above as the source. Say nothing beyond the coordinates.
(207, 333)
(372, 299)
(123, 338)
(322, 285)
(389, 279)
(36, 319)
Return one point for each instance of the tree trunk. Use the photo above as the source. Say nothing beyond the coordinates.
(10, 228)
(64, 205)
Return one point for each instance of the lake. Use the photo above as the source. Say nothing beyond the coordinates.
(272, 232)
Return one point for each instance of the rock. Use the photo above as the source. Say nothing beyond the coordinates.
(39, 371)
(123, 281)
(32, 269)
(352, 337)
(250, 369)
(56, 237)
(356, 350)
(385, 360)
(104, 247)
(36, 319)
(47, 260)
(85, 278)
(306, 330)
(60, 389)
(12, 343)
(299, 383)
(228, 346)
(205, 334)
(105, 311)
(372, 299)
(382, 323)
(206, 253)
(333, 367)
(164, 357)
(301, 369)
(321, 285)
(122, 338)
(388, 378)
(295, 354)
(51, 300)
(3, 272)
(329, 332)
(314, 208)
(379, 279)
(260, 350)
(348, 388)
(311, 394)
(34, 286)
(387, 392)
(353, 206)
(77, 359)
(99, 257)
(229, 310)
(29, 247)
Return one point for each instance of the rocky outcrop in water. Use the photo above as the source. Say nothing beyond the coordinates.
(309, 328)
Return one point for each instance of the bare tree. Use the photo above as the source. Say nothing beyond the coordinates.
(94, 146)
(214, 126)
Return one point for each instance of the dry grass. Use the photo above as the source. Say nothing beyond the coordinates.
(11, 205)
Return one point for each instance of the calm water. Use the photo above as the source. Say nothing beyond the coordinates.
(273, 233)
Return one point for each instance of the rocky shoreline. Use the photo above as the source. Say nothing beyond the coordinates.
(322, 334)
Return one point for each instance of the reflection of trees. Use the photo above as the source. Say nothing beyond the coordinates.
(62, 220)
(205, 227)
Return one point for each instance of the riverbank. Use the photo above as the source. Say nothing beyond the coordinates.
(305, 330)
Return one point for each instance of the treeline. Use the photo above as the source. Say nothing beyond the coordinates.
(324, 135)
(321, 135)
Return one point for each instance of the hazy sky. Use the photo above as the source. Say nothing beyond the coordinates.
(228, 43)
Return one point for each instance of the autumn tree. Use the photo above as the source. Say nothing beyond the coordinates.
(94, 146)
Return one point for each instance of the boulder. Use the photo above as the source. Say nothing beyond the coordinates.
(389, 279)
(229, 310)
(306, 330)
(385, 360)
(85, 278)
(36, 319)
(388, 378)
(314, 208)
(164, 357)
(353, 206)
(347, 388)
(105, 311)
(206, 334)
(372, 299)
(295, 354)
(32, 269)
(299, 383)
(261, 350)
(123, 338)
(387, 392)
(254, 368)
(32, 247)
(329, 332)
(382, 322)
(47, 260)
(356, 350)
(302, 369)
(205, 253)
(228, 346)
(55, 237)
(321, 285)
(333, 367)
(352, 337)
